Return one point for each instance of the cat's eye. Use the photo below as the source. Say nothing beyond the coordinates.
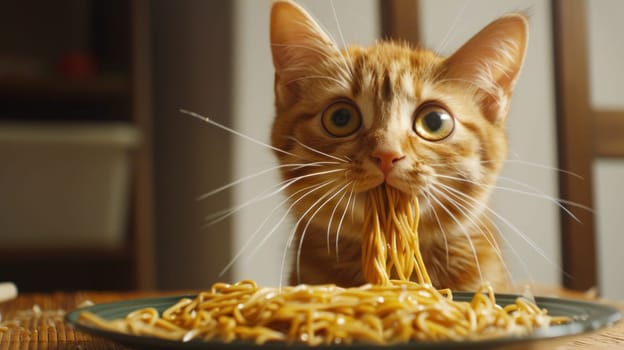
(433, 123)
(341, 118)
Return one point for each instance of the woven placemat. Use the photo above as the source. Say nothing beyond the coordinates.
(36, 321)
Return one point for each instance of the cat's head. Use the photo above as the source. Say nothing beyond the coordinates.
(431, 126)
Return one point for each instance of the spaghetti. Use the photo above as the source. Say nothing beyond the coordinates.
(390, 238)
(326, 314)
(390, 309)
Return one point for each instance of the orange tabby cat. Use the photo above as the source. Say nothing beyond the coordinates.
(388, 114)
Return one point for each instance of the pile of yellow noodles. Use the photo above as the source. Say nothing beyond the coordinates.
(387, 311)
(326, 314)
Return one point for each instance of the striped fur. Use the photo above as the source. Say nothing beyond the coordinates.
(389, 82)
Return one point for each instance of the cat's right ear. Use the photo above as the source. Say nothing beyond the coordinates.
(297, 43)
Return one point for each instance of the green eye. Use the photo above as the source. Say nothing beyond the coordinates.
(433, 123)
(341, 119)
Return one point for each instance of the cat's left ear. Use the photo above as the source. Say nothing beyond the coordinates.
(297, 44)
(491, 60)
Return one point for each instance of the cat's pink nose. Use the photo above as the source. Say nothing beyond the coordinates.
(386, 159)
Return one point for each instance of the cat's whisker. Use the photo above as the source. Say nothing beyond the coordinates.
(344, 213)
(237, 133)
(305, 229)
(345, 68)
(512, 161)
(520, 183)
(475, 202)
(243, 249)
(537, 190)
(517, 231)
(286, 214)
(451, 29)
(427, 195)
(268, 193)
(219, 216)
(561, 203)
(260, 173)
(463, 229)
(294, 230)
(516, 254)
(464, 208)
(331, 219)
(353, 208)
(543, 166)
(557, 202)
(292, 138)
(467, 209)
(344, 43)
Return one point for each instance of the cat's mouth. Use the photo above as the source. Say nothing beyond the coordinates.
(401, 189)
(397, 180)
(394, 184)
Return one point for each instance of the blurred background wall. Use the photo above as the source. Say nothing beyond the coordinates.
(193, 70)
(606, 52)
(213, 58)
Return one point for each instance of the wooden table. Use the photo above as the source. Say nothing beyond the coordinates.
(35, 321)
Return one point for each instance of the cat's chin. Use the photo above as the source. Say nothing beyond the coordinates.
(368, 183)
(405, 191)
(398, 185)
(385, 183)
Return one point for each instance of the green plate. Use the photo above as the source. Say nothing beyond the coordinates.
(587, 316)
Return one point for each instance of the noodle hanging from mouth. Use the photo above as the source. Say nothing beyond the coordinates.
(390, 309)
(390, 247)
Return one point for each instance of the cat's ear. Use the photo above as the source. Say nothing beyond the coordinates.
(297, 43)
(491, 60)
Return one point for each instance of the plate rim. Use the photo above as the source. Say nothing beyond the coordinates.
(598, 315)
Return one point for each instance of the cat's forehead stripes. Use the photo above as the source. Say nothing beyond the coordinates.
(387, 85)
(385, 77)
(386, 91)
(356, 77)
